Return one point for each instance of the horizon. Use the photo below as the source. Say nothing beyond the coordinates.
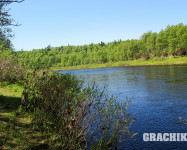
(79, 23)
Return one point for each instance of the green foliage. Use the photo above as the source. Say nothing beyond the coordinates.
(4, 41)
(169, 42)
(10, 69)
(73, 116)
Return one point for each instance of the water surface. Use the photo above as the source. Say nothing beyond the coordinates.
(160, 98)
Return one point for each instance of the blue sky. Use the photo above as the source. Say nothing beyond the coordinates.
(79, 22)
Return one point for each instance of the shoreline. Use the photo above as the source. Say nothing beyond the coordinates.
(168, 61)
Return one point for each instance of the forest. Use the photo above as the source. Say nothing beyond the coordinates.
(171, 41)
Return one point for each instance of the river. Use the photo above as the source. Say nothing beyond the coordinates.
(159, 99)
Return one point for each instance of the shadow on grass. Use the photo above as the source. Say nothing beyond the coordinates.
(40, 147)
(15, 130)
(9, 104)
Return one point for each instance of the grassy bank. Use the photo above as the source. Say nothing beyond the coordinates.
(56, 113)
(138, 62)
(15, 130)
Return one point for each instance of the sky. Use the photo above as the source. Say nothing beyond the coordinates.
(79, 22)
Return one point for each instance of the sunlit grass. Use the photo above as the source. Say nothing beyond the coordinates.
(11, 90)
(15, 130)
(138, 62)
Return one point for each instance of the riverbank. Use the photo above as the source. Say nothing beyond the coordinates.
(34, 122)
(15, 128)
(139, 62)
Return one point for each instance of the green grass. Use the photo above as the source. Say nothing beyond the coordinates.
(7, 89)
(15, 130)
(139, 62)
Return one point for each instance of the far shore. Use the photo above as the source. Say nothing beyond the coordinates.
(165, 61)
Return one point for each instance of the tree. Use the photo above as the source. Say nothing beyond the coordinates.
(5, 17)
(4, 42)
(161, 43)
(169, 41)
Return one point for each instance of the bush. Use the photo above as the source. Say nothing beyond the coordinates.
(73, 116)
(10, 69)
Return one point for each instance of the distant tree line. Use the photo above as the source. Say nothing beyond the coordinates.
(171, 41)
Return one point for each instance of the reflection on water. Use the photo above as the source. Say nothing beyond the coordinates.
(160, 98)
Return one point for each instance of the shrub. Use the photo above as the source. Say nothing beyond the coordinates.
(10, 69)
(73, 116)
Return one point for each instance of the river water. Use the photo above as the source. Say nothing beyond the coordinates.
(159, 99)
